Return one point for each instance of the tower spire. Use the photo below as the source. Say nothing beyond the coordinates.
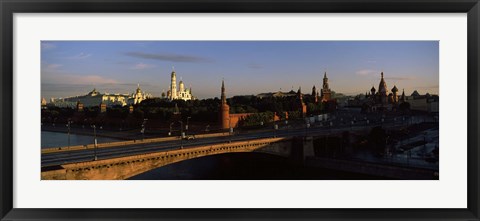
(224, 98)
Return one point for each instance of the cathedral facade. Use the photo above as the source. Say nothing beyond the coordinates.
(383, 97)
(181, 93)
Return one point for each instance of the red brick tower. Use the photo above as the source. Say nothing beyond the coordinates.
(224, 110)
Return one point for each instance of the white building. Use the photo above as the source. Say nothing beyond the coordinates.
(182, 93)
(95, 98)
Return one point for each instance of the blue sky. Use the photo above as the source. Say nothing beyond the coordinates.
(249, 67)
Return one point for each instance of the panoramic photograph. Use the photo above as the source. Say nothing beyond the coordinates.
(239, 110)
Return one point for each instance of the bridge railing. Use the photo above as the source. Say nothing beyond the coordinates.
(125, 143)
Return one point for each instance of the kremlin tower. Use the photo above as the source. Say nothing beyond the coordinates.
(224, 110)
(325, 91)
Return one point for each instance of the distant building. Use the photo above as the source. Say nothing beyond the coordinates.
(300, 105)
(277, 94)
(44, 103)
(428, 103)
(95, 98)
(325, 92)
(224, 109)
(182, 93)
(382, 99)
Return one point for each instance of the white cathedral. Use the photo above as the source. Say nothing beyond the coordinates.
(182, 93)
(95, 98)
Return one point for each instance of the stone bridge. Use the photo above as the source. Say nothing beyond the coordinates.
(124, 167)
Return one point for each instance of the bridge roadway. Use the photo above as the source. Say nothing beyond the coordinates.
(76, 156)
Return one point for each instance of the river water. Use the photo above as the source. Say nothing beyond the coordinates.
(56, 139)
(244, 166)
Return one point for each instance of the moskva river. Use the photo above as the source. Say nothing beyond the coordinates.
(244, 166)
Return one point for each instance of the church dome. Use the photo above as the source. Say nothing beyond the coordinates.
(394, 89)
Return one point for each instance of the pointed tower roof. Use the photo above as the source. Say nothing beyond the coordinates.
(382, 86)
(224, 98)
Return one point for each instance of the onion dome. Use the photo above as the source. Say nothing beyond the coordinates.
(394, 89)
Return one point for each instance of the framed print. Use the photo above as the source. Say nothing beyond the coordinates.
(239, 110)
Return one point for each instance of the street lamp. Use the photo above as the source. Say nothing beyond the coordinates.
(181, 134)
(186, 126)
(68, 126)
(94, 142)
(170, 132)
(275, 128)
(306, 129)
(143, 129)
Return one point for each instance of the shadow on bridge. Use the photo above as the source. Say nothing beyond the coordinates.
(297, 149)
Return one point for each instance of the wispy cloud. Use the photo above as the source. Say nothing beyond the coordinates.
(169, 57)
(80, 56)
(78, 79)
(53, 74)
(47, 46)
(141, 66)
(364, 72)
(52, 66)
(400, 78)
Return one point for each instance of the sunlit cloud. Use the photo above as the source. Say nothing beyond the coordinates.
(52, 66)
(56, 76)
(169, 57)
(400, 78)
(80, 56)
(141, 66)
(364, 72)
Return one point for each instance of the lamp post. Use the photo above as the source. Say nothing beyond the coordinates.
(286, 125)
(186, 126)
(170, 132)
(181, 134)
(94, 142)
(424, 144)
(275, 128)
(143, 130)
(306, 129)
(68, 126)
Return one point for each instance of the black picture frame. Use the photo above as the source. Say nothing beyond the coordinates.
(9, 7)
